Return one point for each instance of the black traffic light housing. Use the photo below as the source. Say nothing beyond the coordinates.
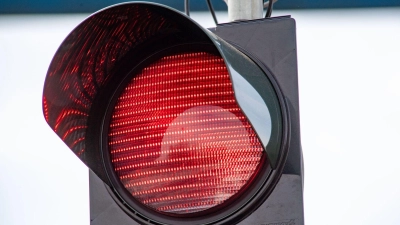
(90, 68)
(272, 43)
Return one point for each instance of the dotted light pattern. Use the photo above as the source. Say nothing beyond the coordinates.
(84, 62)
(178, 140)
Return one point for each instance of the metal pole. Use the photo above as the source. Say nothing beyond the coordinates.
(245, 9)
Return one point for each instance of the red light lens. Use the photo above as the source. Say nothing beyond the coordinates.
(178, 141)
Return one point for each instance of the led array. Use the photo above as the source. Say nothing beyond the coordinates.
(178, 140)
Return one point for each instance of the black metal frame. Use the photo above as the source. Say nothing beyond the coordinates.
(232, 210)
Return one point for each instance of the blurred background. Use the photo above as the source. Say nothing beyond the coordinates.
(349, 80)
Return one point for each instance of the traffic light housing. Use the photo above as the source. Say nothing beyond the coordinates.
(179, 125)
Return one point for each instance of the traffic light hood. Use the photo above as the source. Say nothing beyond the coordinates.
(113, 41)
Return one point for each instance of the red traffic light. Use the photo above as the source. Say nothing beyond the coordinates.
(177, 140)
(182, 127)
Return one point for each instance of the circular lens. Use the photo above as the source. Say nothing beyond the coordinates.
(178, 141)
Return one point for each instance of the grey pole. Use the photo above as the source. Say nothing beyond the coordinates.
(245, 9)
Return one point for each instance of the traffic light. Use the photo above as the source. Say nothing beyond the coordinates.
(178, 124)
